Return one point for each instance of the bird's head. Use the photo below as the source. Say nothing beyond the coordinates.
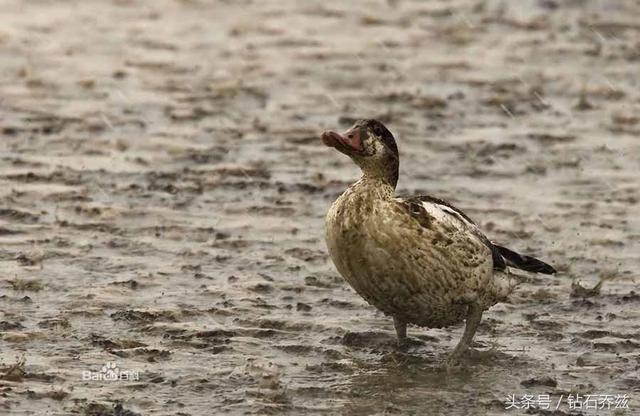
(371, 146)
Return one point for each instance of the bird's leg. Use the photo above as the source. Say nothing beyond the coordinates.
(401, 331)
(474, 315)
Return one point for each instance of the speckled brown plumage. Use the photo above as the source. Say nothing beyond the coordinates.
(412, 265)
(418, 259)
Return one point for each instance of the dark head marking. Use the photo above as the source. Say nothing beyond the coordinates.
(371, 146)
(383, 133)
(391, 159)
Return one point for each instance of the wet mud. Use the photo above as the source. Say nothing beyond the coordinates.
(163, 188)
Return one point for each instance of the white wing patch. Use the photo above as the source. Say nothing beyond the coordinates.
(444, 214)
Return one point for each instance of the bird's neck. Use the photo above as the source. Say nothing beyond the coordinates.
(384, 172)
(375, 186)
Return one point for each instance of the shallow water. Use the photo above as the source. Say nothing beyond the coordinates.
(163, 189)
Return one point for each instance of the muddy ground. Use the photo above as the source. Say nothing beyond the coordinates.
(163, 188)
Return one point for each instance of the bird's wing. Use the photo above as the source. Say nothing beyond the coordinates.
(426, 209)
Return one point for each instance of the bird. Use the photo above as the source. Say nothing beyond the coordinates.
(418, 259)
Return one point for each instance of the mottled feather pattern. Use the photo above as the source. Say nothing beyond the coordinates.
(408, 258)
(448, 208)
(502, 256)
(419, 259)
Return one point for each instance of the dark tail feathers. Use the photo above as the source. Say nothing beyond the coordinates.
(522, 262)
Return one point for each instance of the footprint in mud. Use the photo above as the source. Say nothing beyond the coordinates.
(376, 341)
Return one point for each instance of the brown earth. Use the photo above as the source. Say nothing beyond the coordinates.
(163, 190)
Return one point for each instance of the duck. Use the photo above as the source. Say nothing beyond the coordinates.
(418, 259)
